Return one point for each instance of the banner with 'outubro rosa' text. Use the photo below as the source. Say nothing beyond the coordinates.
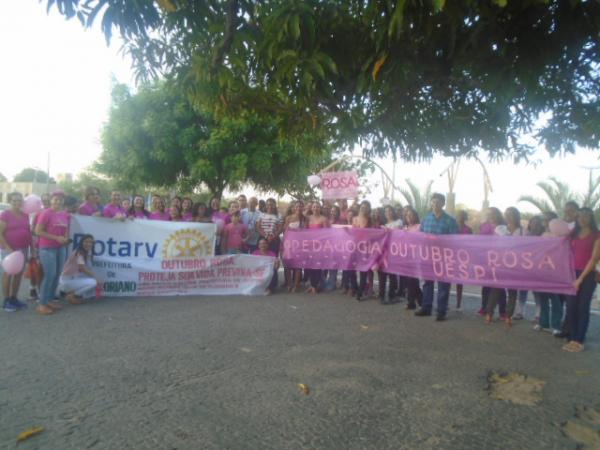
(542, 264)
(154, 258)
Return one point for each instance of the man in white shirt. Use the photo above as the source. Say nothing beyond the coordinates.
(250, 216)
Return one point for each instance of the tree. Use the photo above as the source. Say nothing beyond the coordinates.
(422, 77)
(2, 178)
(105, 185)
(30, 175)
(420, 200)
(557, 194)
(156, 138)
(591, 198)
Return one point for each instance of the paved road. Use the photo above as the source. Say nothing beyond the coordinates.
(214, 372)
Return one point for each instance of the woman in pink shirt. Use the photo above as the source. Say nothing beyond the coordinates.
(175, 214)
(316, 220)
(362, 220)
(463, 228)
(91, 206)
(494, 218)
(15, 235)
(414, 294)
(187, 209)
(158, 209)
(586, 253)
(137, 210)
(263, 250)
(53, 231)
(114, 209)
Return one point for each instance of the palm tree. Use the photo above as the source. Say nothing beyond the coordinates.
(418, 199)
(557, 193)
(591, 199)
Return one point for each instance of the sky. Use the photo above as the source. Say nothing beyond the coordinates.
(55, 96)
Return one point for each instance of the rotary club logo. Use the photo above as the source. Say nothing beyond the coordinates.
(186, 244)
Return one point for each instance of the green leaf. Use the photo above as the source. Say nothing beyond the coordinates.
(325, 59)
(395, 25)
(501, 3)
(295, 26)
(438, 5)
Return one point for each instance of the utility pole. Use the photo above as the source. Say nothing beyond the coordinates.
(48, 175)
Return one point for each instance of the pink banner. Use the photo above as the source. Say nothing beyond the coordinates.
(527, 263)
(338, 185)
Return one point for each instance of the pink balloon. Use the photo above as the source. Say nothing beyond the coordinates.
(32, 204)
(559, 227)
(13, 263)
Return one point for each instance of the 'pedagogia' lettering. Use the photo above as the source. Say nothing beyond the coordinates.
(123, 249)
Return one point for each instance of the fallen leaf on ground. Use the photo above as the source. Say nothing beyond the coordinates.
(304, 388)
(28, 433)
(583, 373)
(364, 327)
(582, 433)
(515, 388)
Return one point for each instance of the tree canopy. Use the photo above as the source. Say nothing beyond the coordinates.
(156, 138)
(410, 77)
(29, 175)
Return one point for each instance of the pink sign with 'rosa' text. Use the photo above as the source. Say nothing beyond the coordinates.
(339, 185)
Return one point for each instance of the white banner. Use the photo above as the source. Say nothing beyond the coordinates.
(153, 258)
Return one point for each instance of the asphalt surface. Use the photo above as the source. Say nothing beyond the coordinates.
(223, 372)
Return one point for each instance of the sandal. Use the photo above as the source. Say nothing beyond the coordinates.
(55, 306)
(569, 346)
(573, 347)
(44, 310)
(73, 300)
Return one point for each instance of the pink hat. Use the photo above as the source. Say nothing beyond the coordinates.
(58, 193)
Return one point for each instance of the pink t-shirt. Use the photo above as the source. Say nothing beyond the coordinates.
(465, 229)
(414, 228)
(137, 215)
(188, 217)
(56, 223)
(582, 250)
(157, 215)
(234, 234)
(111, 210)
(269, 253)
(487, 228)
(220, 215)
(17, 232)
(88, 209)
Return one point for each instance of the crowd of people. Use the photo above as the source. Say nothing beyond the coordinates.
(249, 225)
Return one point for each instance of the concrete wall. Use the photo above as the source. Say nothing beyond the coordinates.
(24, 188)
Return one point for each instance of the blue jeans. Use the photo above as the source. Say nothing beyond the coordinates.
(523, 301)
(442, 296)
(578, 308)
(549, 318)
(331, 281)
(53, 260)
